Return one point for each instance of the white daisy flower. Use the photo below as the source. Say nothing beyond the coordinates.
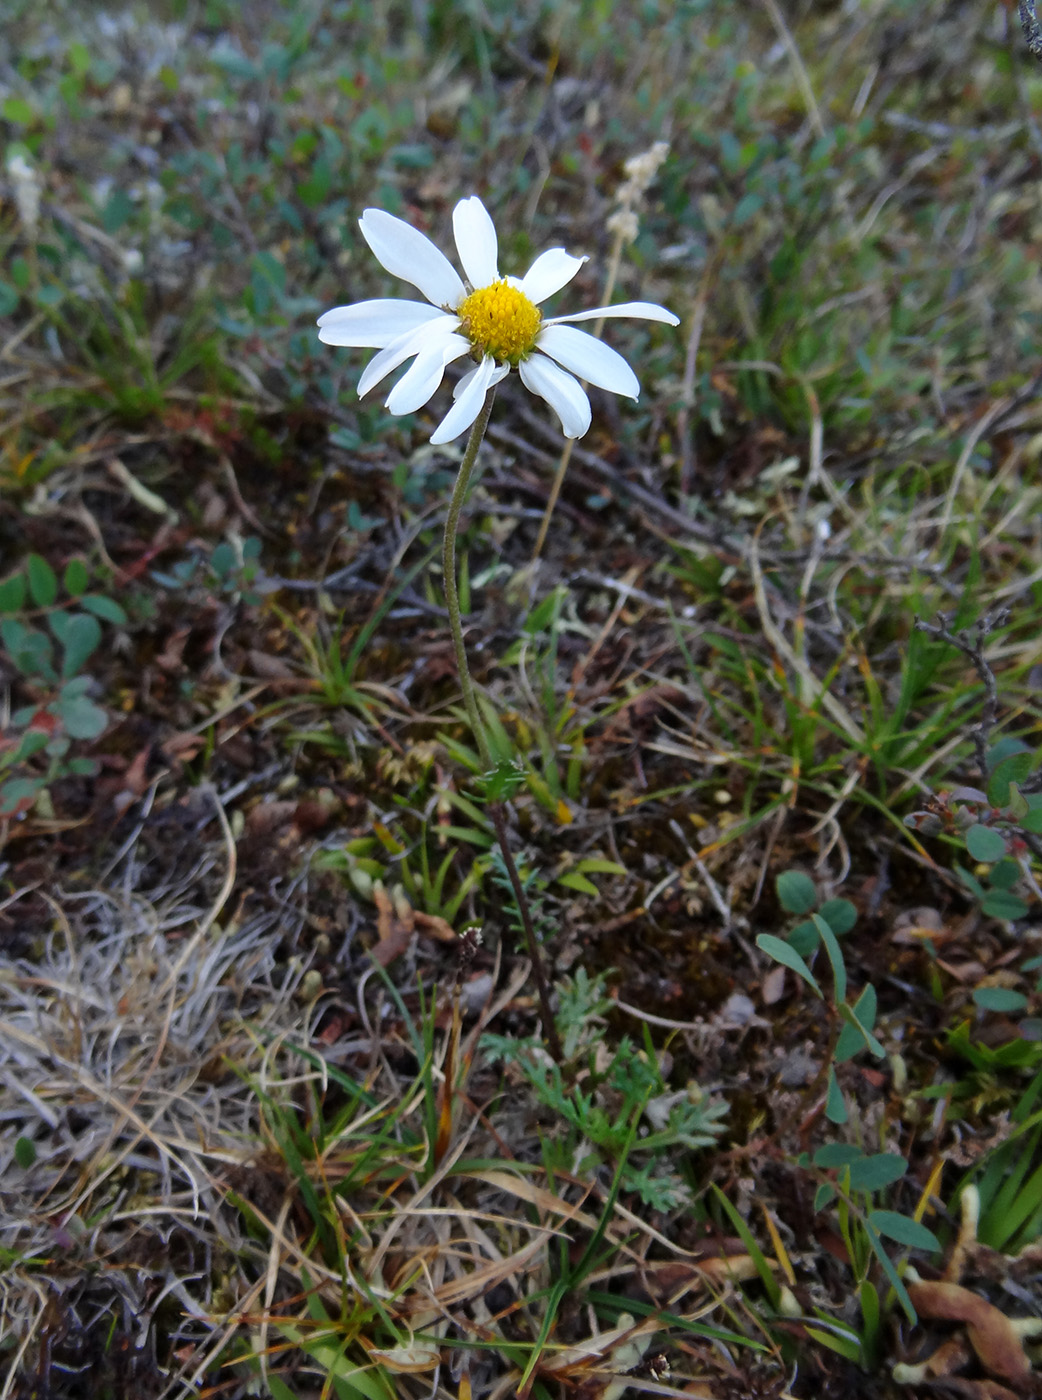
(495, 320)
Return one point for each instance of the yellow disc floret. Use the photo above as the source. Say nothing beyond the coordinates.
(500, 321)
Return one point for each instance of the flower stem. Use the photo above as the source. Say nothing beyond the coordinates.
(448, 559)
(448, 562)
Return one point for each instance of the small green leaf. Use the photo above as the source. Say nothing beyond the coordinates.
(824, 1196)
(16, 109)
(1004, 875)
(12, 593)
(797, 893)
(1005, 746)
(33, 740)
(804, 938)
(19, 795)
(1032, 820)
(24, 1152)
(780, 951)
(501, 782)
(904, 1230)
(79, 58)
(749, 204)
(81, 717)
(840, 915)
(999, 999)
(856, 1035)
(850, 1043)
(81, 640)
(43, 582)
(574, 881)
(1000, 904)
(970, 881)
(837, 1154)
(1012, 769)
(31, 651)
(865, 1007)
(878, 1171)
(984, 843)
(839, 970)
(222, 560)
(598, 865)
(1017, 807)
(75, 578)
(105, 608)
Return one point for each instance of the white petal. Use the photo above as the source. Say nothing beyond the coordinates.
(644, 310)
(563, 393)
(468, 405)
(411, 343)
(501, 373)
(589, 358)
(550, 272)
(374, 323)
(424, 375)
(476, 241)
(410, 254)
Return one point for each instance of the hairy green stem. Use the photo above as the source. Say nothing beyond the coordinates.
(448, 559)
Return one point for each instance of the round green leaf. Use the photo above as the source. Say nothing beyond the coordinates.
(984, 843)
(1000, 904)
(804, 938)
(1004, 875)
(797, 893)
(839, 914)
(81, 717)
(81, 640)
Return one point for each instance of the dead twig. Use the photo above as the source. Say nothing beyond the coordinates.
(972, 647)
(1031, 27)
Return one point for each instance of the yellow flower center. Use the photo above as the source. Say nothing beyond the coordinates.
(500, 321)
